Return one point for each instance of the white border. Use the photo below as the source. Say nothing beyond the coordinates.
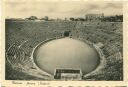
(8, 83)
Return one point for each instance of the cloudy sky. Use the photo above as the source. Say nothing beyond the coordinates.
(59, 9)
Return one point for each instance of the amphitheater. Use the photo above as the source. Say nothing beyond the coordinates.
(22, 37)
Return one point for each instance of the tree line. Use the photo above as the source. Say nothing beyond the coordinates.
(115, 18)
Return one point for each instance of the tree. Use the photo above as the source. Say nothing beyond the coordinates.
(72, 19)
(32, 18)
(80, 19)
(46, 18)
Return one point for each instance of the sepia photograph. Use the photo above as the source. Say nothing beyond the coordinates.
(63, 41)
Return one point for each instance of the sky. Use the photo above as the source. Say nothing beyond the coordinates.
(59, 9)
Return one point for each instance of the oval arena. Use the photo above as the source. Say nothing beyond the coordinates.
(35, 49)
(66, 53)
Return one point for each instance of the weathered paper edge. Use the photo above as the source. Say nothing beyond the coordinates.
(8, 83)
